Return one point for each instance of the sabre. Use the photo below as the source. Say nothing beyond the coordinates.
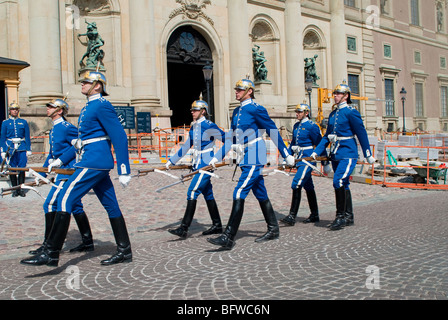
(145, 172)
(312, 167)
(190, 176)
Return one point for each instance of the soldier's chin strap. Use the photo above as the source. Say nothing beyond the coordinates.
(91, 88)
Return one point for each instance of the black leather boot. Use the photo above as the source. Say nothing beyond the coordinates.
(227, 239)
(349, 220)
(216, 227)
(295, 204)
(182, 231)
(50, 254)
(13, 179)
(270, 218)
(339, 222)
(124, 252)
(312, 202)
(49, 219)
(21, 181)
(86, 234)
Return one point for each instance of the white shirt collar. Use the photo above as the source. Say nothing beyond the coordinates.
(342, 105)
(304, 120)
(13, 118)
(94, 97)
(57, 121)
(201, 119)
(246, 102)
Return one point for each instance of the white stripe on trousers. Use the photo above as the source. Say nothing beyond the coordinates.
(346, 173)
(303, 176)
(70, 188)
(55, 196)
(196, 186)
(249, 176)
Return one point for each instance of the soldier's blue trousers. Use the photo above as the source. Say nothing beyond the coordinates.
(303, 178)
(201, 183)
(251, 179)
(84, 180)
(18, 160)
(342, 170)
(51, 202)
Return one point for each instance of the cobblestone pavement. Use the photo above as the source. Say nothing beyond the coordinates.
(397, 248)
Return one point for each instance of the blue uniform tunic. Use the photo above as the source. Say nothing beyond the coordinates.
(249, 122)
(201, 139)
(306, 135)
(344, 123)
(16, 128)
(98, 129)
(61, 136)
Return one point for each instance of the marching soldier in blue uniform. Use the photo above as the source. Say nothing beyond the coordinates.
(98, 129)
(306, 135)
(63, 155)
(15, 140)
(201, 140)
(344, 123)
(249, 122)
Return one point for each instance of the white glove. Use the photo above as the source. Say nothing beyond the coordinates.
(55, 164)
(124, 180)
(29, 153)
(314, 155)
(327, 168)
(213, 162)
(168, 165)
(371, 160)
(290, 161)
(3, 155)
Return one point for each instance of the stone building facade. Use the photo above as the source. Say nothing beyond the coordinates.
(155, 52)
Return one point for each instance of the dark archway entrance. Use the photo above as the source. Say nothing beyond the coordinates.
(187, 53)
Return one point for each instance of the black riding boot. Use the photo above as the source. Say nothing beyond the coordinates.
(216, 227)
(295, 204)
(49, 219)
(186, 220)
(348, 209)
(21, 181)
(50, 255)
(13, 179)
(124, 252)
(339, 222)
(86, 233)
(227, 239)
(271, 220)
(312, 202)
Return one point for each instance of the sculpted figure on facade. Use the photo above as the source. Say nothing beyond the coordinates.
(94, 54)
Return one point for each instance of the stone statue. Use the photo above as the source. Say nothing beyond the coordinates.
(94, 55)
(439, 17)
(310, 69)
(260, 70)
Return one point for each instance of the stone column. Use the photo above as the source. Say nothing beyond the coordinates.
(143, 54)
(338, 43)
(239, 42)
(45, 56)
(295, 73)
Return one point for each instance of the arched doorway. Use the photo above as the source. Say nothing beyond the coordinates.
(187, 53)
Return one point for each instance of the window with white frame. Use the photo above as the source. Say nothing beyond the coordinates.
(415, 12)
(419, 99)
(349, 3)
(444, 101)
(389, 96)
